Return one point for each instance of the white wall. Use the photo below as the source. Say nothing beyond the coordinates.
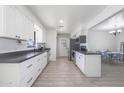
(51, 36)
(120, 38)
(101, 40)
(44, 35)
(7, 45)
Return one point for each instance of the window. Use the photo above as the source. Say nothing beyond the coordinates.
(39, 34)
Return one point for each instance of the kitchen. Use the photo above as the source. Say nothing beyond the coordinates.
(58, 46)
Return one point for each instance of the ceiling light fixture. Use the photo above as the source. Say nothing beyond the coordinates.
(116, 31)
(119, 30)
(61, 25)
(111, 32)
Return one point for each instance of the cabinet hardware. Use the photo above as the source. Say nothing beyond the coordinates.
(39, 69)
(29, 80)
(29, 65)
(38, 60)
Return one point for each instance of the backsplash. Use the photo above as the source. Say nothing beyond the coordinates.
(8, 45)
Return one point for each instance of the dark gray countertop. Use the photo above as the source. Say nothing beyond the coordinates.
(18, 57)
(89, 53)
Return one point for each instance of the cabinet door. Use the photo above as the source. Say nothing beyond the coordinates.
(1, 20)
(77, 59)
(10, 21)
(30, 30)
(27, 29)
(79, 62)
(15, 24)
(20, 24)
(27, 81)
(82, 62)
(76, 54)
(44, 60)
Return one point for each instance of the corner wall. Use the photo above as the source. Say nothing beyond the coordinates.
(51, 42)
(100, 41)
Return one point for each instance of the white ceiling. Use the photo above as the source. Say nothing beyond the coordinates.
(72, 15)
(109, 24)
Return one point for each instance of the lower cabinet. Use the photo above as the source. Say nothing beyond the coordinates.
(22, 74)
(90, 65)
(80, 61)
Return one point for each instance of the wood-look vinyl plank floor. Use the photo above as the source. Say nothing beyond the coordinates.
(63, 73)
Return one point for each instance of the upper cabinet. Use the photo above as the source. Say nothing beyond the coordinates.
(28, 29)
(1, 21)
(14, 24)
(9, 22)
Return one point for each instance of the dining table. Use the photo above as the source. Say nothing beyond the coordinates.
(115, 56)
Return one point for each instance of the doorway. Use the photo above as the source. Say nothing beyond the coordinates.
(63, 45)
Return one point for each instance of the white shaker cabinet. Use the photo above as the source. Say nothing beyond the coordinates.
(80, 61)
(7, 22)
(2, 33)
(89, 64)
(19, 24)
(28, 29)
(10, 22)
(24, 26)
(22, 74)
(14, 24)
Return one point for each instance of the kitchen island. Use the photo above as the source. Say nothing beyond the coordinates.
(89, 63)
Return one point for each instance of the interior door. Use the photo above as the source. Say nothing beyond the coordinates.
(63, 46)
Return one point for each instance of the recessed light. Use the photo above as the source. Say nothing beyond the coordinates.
(61, 21)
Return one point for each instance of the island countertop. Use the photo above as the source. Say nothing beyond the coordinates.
(88, 52)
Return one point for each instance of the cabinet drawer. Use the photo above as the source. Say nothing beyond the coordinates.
(37, 71)
(38, 60)
(27, 67)
(30, 69)
(28, 80)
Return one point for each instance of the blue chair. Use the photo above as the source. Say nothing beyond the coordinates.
(105, 56)
(119, 57)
